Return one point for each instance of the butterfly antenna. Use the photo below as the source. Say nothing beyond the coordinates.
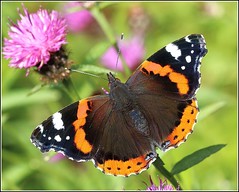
(117, 60)
(90, 74)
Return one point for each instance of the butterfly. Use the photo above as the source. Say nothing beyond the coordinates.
(120, 131)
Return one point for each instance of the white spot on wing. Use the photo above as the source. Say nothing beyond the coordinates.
(57, 138)
(183, 67)
(198, 69)
(173, 50)
(57, 121)
(49, 138)
(187, 39)
(200, 59)
(188, 59)
(192, 51)
(68, 137)
(41, 128)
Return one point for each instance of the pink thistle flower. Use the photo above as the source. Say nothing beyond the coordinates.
(34, 38)
(163, 186)
(132, 52)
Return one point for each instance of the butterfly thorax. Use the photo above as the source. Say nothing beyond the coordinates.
(123, 100)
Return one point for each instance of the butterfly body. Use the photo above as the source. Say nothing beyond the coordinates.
(120, 131)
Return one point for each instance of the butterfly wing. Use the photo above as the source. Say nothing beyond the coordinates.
(121, 140)
(122, 149)
(63, 131)
(92, 129)
(171, 121)
(173, 71)
(165, 86)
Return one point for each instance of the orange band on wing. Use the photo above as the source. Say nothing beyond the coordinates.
(81, 143)
(185, 126)
(80, 136)
(179, 79)
(82, 108)
(125, 168)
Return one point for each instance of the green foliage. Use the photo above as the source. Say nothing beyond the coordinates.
(195, 158)
(24, 167)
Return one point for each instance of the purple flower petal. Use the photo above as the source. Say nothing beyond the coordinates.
(163, 186)
(34, 38)
(57, 157)
(132, 51)
(76, 20)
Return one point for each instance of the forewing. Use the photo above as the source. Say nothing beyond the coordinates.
(66, 131)
(173, 71)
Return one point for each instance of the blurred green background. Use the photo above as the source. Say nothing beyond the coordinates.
(24, 167)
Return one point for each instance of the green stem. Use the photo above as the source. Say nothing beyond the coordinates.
(100, 18)
(159, 165)
(107, 29)
(71, 90)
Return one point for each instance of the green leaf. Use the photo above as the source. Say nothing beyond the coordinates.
(195, 158)
(93, 69)
(19, 98)
(159, 165)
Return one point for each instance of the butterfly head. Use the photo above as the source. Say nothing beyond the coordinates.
(113, 81)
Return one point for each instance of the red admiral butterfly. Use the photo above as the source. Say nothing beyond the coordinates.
(120, 131)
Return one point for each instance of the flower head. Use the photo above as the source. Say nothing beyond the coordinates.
(34, 38)
(132, 52)
(163, 186)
